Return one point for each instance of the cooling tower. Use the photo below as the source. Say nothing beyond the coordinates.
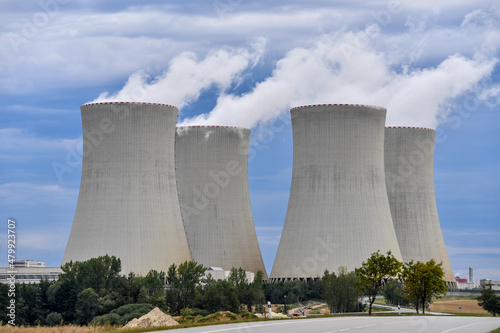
(212, 180)
(409, 155)
(338, 212)
(128, 204)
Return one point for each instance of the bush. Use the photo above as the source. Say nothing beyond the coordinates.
(110, 318)
(187, 312)
(246, 315)
(200, 312)
(129, 308)
(123, 314)
(129, 316)
(53, 319)
(212, 317)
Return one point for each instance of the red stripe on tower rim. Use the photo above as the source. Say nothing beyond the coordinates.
(410, 127)
(319, 105)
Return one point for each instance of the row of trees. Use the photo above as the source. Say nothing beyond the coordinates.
(419, 281)
(95, 288)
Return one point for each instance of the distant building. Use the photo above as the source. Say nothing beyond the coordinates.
(495, 285)
(28, 263)
(29, 271)
(218, 273)
(463, 284)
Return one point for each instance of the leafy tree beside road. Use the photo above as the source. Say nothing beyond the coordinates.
(489, 300)
(374, 272)
(422, 281)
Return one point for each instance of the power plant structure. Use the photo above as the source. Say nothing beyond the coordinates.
(409, 163)
(212, 180)
(153, 194)
(338, 211)
(128, 204)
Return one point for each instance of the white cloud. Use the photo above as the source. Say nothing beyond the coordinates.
(457, 251)
(18, 143)
(342, 69)
(54, 239)
(28, 194)
(187, 76)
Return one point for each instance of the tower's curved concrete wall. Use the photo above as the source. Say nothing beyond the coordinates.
(338, 211)
(409, 160)
(128, 204)
(212, 179)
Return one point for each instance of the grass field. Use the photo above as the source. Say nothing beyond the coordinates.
(55, 329)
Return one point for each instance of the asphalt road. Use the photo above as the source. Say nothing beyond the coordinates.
(431, 324)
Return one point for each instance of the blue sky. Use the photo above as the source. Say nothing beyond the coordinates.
(245, 63)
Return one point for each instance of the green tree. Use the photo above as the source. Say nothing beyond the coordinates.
(4, 301)
(181, 285)
(340, 291)
(30, 308)
(53, 319)
(154, 283)
(393, 292)
(488, 300)
(87, 305)
(422, 281)
(238, 278)
(258, 298)
(221, 296)
(373, 273)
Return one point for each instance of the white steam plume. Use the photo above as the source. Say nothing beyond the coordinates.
(187, 76)
(332, 70)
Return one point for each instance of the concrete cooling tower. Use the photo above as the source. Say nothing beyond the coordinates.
(128, 204)
(338, 211)
(212, 180)
(409, 158)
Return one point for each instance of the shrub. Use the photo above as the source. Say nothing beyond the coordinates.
(107, 319)
(200, 312)
(129, 316)
(187, 312)
(53, 319)
(245, 315)
(129, 308)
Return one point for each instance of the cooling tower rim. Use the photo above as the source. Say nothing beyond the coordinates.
(127, 103)
(362, 105)
(211, 126)
(411, 127)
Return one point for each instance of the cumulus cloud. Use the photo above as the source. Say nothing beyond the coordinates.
(187, 76)
(340, 67)
(340, 70)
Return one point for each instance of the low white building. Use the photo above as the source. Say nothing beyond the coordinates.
(495, 285)
(28, 271)
(218, 273)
